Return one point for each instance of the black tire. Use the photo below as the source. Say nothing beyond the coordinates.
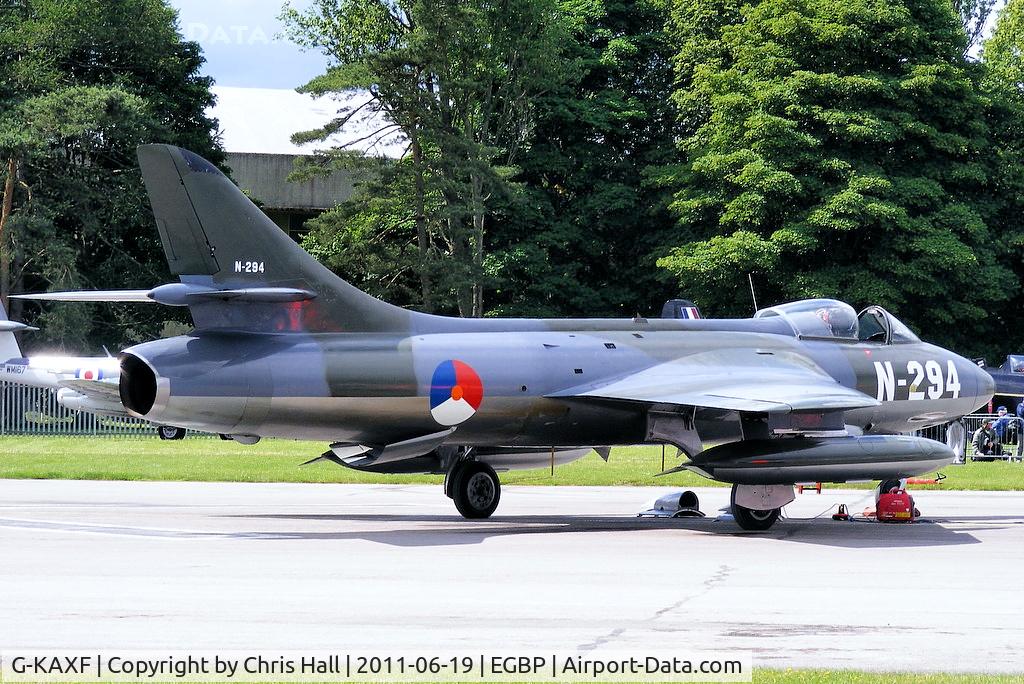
(750, 519)
(171, 432)
(475, 489)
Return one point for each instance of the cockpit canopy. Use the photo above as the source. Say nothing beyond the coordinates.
(1014, 363)
(832, 319)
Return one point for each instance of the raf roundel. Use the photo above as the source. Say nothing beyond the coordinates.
(455, 393)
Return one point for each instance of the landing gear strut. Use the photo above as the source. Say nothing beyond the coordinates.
(752, 519)
(475, 488)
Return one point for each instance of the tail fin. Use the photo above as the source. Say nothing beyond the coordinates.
(9, 348)
(214, 236)
(680, 308)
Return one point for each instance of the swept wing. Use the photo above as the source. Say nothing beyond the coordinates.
(746, 380)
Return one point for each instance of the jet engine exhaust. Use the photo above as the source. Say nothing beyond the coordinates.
(137, 386)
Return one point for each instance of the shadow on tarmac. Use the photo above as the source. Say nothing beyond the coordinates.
(453, 530)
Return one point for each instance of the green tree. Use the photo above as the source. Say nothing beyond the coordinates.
(458, 80)
(841, 152)
(585, 237)
(371, 240)
(1003, 67)
(974, 16)
(79, 94)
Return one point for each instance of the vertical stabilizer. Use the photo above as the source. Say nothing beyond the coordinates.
(213, 236)
(9, 348)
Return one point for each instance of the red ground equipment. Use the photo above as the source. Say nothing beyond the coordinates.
(895, 506)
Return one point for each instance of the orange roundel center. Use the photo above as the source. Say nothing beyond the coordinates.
(457, 393)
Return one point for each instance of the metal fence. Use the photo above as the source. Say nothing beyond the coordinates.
(35, 411)
(1011, 441)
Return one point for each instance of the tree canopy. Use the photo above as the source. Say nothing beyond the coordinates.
(79, 94)
(562, 157)
(458, 80)
(838, 149)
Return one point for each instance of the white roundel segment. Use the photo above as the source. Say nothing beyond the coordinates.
(452, 412)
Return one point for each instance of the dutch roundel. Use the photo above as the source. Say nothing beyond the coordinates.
(455, 393)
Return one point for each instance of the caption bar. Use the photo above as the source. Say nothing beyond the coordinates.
(179, 666)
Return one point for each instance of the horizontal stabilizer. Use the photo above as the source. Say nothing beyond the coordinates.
(12, 326)
(176, 294)
(256, 294)
(90, 296)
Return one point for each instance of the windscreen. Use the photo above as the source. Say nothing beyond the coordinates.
(878, 325)
(900, 332)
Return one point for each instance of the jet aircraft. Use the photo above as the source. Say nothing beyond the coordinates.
(81, 383)
(282, 347)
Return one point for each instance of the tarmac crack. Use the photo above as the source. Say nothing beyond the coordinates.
(708, 585)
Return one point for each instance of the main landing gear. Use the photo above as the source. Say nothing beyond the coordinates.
(475, 488)
(171, 432)
(758, 507)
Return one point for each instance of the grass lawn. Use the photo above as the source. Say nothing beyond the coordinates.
(214, 460)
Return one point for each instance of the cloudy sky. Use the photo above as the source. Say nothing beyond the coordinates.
(256, 72)
(242, 43)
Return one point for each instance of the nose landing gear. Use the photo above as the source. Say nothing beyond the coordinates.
(475, 488)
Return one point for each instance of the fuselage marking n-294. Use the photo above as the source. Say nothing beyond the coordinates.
(922, 379)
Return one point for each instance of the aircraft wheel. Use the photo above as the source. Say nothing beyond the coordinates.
(476, 489)
(750, 519)
(171, 432)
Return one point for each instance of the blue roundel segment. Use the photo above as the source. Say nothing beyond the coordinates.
(442, 383)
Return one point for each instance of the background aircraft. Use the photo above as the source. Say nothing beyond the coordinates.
(807, 391)
(81, 383)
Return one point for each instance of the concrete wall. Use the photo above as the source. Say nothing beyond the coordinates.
(264, 177)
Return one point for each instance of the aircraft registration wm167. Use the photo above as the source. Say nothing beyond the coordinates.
(803, 392)
(81, 383)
